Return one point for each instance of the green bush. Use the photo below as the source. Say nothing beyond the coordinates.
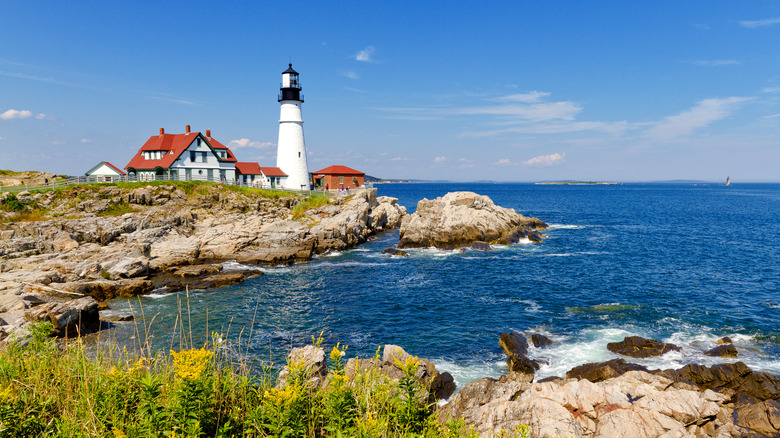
(13, 204)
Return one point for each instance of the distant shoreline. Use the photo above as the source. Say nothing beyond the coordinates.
(579, 183)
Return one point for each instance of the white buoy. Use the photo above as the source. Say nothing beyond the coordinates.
(291, 150)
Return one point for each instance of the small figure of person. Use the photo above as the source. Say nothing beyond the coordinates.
(327, 187)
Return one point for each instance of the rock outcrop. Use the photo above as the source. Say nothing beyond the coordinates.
(635, 404)
(462, 218)
(637, 346)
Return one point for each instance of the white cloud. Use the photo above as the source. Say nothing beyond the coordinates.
(771, 90)
(14, 114)
(58, 142)
(545, 160)
(40, 116)
(86, 140)
(440, 159)
(365, 54)
(503, 162)
(2, 138)
(771, 116)
(247, 143)
(752, 24)
(351, 75)
(536, 112)
(716, 62)
(400, 159)
(703, 114)
(533, 96)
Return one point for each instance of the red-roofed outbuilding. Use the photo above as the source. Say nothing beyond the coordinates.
(252, 174)
(337, 177)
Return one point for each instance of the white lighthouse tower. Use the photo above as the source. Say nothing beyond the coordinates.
(291, 152)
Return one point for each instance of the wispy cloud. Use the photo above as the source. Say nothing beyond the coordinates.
(503, 162)
(752, 24)
(772, 116)
(247, 143)
(545, 160)
(716, 62)
(86, 140)
(703, 114)
(439, 160)
(531, 97)
(771, 90)
(354, 90)
(365, 55)
(350, 75)
(169, 98)
(57, 142)
(14, 114)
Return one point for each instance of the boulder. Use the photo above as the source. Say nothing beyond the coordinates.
(69, 318)
(724, 350)
(481, 246)
(440, 386)
(461, 218)
(724, 340)
(730, 379)
(513, 343)
(540, 341)
(311, 360)
(600, 371)
(395, 252)
(639, 347)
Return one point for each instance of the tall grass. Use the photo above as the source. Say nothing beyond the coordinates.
(70, 390)
(309, 203)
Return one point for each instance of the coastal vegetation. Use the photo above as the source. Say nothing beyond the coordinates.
(70, 390)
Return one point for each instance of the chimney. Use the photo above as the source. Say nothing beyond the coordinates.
(208, 133)
(162, 131)
(187, 129)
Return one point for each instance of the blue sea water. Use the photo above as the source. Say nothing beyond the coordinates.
(683, 263)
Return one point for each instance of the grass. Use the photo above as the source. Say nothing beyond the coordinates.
(314, 201)
(70, 391)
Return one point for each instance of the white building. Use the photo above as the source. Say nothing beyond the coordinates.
(188, 156)
(291, 152)
(105, 172)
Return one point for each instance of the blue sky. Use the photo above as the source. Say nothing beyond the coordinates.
(507, 91)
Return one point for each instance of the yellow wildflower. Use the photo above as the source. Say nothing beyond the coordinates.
(6, 392)
(118, 433)
(139, 365)
(191, 363)
(115, 373)
(336, 354)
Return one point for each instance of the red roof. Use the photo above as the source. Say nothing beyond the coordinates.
(272, 171)
(176, 143)
(339, 170)
(114, 167)
(247, 168)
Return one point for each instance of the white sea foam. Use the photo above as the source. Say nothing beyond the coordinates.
(465, 372)
(565, 227)
(771, 305)
(232, 265)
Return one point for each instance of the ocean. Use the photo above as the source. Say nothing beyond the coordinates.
(682, 263)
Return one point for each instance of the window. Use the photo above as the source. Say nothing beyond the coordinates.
(299, 155)
(341, 180)
(192, 156)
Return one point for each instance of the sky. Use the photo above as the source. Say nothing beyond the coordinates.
(463, 91)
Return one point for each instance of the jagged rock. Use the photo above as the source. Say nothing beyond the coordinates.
(724, 340)
(481, 246)
(725, 350)
(311, 360)
(395, 252)
(513, 344)
(440, 385)
(461, 218)
(637, 346)
(761, 417)
(540, 341)
(70, 318)
(597, 372)
(730, 379)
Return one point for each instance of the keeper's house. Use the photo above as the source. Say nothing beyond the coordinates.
(188, 156)
(336, 177)
(105, 172)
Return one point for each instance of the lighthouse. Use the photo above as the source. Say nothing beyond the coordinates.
(291, 151)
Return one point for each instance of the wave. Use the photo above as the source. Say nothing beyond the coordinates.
(565, 227)
(232, 265)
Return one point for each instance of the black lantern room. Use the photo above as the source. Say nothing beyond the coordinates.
(291, 87)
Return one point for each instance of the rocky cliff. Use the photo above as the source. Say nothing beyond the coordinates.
(107, 241)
